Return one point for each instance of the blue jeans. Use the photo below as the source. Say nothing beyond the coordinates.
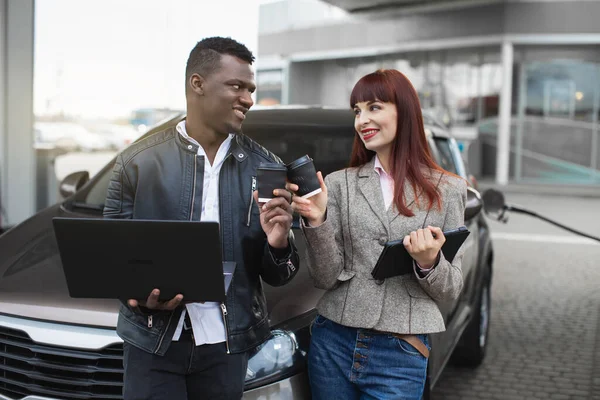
(350, 363)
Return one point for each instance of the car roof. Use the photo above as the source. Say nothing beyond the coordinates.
(296, 115)
(318, 115)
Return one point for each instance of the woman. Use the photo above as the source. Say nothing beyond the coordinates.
(369, 340)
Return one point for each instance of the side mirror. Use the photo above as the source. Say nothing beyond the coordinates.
(493, 201)
(73, 182)
(474, 204)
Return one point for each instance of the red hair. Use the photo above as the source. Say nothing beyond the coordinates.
(410, 152)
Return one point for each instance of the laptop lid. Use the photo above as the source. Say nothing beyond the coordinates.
(126, 259)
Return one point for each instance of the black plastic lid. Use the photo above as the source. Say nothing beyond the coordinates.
(301, 161)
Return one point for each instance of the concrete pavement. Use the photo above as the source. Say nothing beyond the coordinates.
(544, 338)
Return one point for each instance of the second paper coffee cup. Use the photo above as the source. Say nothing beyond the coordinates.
(270, 176)
(302, 172)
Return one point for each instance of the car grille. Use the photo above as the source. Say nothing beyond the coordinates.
(28, 368)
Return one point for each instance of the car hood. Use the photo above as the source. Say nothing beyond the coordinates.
(33, 285)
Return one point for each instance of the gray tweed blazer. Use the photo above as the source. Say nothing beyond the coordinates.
(344, 249)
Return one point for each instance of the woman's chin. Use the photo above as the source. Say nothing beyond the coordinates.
(372, 148)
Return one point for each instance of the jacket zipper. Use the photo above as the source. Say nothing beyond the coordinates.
(223, 307)
(224, 311)
(193, 198)
(150, 319)
(291, 265)
(193, 189)
(165, 332)
(251, 200)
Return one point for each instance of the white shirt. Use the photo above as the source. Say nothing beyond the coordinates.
(387, 187)
(206, 318)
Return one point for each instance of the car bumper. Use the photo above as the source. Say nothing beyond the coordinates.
(70, 338)
(295, 387)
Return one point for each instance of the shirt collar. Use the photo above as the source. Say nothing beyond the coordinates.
(183, 132)
(378, 167)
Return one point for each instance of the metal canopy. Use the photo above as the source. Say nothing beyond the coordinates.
(355, 6)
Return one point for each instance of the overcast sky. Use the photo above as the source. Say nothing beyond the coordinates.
(107, 57)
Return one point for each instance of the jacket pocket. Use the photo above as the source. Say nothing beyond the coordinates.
(415, 290)
(154, 321)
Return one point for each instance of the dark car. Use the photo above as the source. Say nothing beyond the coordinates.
(56, 347)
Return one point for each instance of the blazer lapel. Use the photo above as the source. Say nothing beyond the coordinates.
(409, 199)
(370, 186)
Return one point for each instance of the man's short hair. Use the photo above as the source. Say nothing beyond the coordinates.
(205, 57)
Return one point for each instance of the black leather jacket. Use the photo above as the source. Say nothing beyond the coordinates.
(161, 177)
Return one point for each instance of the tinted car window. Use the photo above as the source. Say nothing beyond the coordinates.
(329, 146)
(97, 193)
(444, 155)
(450, 151)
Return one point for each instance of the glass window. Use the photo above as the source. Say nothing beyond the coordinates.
(561, 89)
(461, 88)
(558, 127)
(432, 94)
(97, 194)
(269, 87)
(491, 83)
(413, 67)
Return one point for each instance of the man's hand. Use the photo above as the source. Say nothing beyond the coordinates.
(423, 246)
(154, 304)
(276, 218)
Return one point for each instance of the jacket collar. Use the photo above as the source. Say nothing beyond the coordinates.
(370, 186)
(236, 149)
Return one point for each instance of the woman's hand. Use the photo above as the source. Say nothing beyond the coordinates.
(313, 208)
(424, 245)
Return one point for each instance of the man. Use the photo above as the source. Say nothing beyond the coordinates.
(203, 169)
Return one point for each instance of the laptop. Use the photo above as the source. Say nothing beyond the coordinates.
(126, 259)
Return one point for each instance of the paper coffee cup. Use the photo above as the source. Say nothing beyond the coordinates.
(270, 176)
(302, 172)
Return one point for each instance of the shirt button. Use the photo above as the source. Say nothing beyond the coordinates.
(382, 240)
(379, 281)
(190, 146)
(241, 155)
(357, 365)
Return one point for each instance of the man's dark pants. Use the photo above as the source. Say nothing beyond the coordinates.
(185, 372)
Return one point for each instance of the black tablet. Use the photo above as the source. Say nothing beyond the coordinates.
(125, 259)
(395, 260)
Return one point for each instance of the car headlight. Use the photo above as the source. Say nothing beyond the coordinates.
(282, 356)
